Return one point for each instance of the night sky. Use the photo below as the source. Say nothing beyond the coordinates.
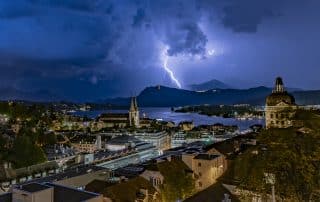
(94, 49)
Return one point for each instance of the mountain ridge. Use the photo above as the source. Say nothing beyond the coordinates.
(163, 96)
(208, 85)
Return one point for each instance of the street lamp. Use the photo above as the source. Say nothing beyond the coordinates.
(271, 179)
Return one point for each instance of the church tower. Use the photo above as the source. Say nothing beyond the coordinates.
(134, 118)
(279, 87)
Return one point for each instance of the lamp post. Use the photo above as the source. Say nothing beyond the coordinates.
(271, 179)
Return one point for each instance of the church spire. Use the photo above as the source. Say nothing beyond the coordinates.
(134, 117)
(135, 103)
(132, 105)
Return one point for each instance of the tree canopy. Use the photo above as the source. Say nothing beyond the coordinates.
(293, 156)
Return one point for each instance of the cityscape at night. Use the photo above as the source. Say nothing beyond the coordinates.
(159, 101)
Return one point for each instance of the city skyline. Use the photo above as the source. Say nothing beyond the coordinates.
(90, 50)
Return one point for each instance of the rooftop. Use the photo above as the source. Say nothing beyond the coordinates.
(214, 193)
(123, 139)
(33, 187)
(277, 97)
(114, 115)
(70, 173)
(206, 156)
(127, 191)
(62, 193)
(7, 197)
(26, 171)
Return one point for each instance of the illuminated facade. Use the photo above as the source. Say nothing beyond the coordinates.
(121, 120)
(134, 119)
(280, 107)
(206, 167)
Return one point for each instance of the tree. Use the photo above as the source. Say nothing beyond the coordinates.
(25, 153)
(293, 156)
(178, 183)
(47, 138)
(3, 149)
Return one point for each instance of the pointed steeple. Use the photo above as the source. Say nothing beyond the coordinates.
(135, 103)
(132, 105)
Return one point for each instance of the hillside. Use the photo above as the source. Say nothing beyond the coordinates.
(293, 156)
(165, 96)
(162, 96)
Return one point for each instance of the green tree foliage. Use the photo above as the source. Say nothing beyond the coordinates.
(33, 121)
(293, 156)
(25, 153)
(178, 182)
(220, 110)
(3, 149)
(47, 139)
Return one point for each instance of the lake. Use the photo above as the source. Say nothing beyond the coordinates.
(167, 115)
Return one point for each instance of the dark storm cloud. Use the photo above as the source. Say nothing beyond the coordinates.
(247, 15)
(190, 40)
(139, 18)
(93, 43)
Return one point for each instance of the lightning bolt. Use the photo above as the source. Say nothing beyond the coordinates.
(168, 70)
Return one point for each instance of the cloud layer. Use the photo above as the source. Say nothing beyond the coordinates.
(109, 48)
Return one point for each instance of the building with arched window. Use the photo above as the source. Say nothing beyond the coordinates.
(280, 107)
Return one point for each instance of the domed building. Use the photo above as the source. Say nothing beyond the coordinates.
(280, 107)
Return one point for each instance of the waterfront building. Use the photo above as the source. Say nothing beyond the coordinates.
(122, 120)
(146, 122)
(280, 107)
(186, 125)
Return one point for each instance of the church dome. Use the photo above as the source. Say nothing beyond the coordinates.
(279, 95)
(275, 98)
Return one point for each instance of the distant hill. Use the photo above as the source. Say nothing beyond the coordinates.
(209, 85)
(165, 96)
(162, 96)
